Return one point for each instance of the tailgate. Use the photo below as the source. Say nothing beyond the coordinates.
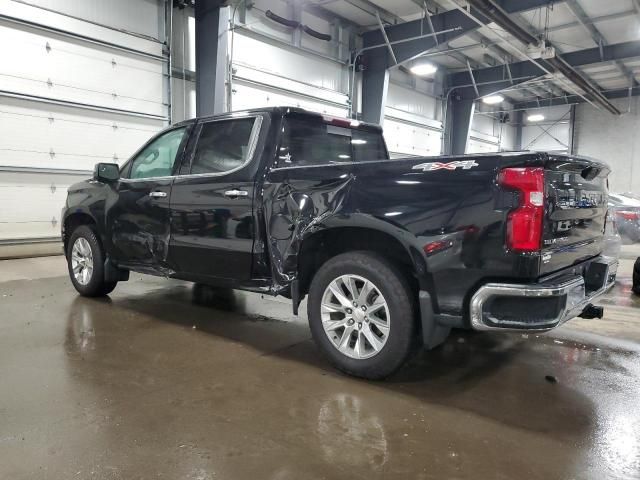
(575, 211)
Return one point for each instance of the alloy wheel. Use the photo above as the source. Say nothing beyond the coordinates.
(82, 261)
(355, 316)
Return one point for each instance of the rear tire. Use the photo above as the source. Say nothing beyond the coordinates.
(371, 343)
(85, 261)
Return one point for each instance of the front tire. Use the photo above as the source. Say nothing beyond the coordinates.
(85, 261)
(361, 314)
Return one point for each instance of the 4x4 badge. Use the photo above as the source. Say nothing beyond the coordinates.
(431, 166)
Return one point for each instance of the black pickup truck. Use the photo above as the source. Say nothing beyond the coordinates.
(390, 253)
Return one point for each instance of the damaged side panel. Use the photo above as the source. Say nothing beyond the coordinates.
(297, 202)
(137, 225)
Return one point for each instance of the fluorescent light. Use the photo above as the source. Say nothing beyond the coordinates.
(493, 99)
(358, 141)
(344, 156)
(535, 118)
(423, 69)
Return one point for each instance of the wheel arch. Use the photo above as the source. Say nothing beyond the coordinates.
(324, 244)
(72, 221)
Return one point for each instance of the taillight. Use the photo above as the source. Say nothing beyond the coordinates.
(524, 224)
(628, 215)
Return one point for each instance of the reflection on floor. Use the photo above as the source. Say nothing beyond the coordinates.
(161, 381)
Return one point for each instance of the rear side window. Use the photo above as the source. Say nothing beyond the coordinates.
(313, 142)
(223, 146)
(368, 146)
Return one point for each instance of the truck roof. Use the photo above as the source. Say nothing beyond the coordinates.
(283, 110)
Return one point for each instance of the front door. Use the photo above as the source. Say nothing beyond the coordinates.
(213, 225)
(138, 222)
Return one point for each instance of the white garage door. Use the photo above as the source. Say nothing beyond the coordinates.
(66, 103)
(265, 75)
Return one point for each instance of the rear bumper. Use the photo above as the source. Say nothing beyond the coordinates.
(545, 305)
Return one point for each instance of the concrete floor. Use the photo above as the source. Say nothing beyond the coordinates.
(150, 384)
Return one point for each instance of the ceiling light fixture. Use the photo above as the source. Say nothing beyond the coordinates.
(535, 118)
(423, 69)
(493, 99)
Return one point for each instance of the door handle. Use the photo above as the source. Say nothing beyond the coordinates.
(158, 194)
(236, 193)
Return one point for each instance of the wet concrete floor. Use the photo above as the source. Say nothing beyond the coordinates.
(151, 383)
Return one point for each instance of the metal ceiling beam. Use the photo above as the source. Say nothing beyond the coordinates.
(516, 6)
(411, 29)
(494, 51)
(441, 21)
(504, 58)
(618, 51)
(564, 26)
(577, 10)
(571, 99)
(499, 16)
(513, 6)
(377, 60)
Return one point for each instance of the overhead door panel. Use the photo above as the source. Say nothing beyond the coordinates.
(66, 103)
(48, 136)
(248, 95)
(30, 204)
(64, 68)
(409, 139)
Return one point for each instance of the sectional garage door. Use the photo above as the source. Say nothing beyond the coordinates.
(67, 101)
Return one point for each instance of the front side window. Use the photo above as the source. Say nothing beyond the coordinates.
(223, 146)
(157, 158)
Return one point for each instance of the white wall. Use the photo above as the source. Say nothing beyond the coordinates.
(73, 102)
(267, 74)
(613, 139)
(67, 103)
(551, 134)
(269, 71)
(412, 124)
(143, 17)
(488, 134)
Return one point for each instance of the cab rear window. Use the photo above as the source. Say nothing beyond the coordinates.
(312, 142)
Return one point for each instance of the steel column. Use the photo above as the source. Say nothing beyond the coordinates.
(519, 125)
(462, 110)
(375, 84)
(212, 32)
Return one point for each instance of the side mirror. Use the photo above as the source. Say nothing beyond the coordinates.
(106, 172)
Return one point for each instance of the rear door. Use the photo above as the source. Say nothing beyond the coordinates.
(576, 209)
(212, 218)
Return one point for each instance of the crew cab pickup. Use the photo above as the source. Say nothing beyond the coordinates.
(390, 253)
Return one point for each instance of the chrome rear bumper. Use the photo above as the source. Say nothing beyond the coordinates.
(542, 306)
